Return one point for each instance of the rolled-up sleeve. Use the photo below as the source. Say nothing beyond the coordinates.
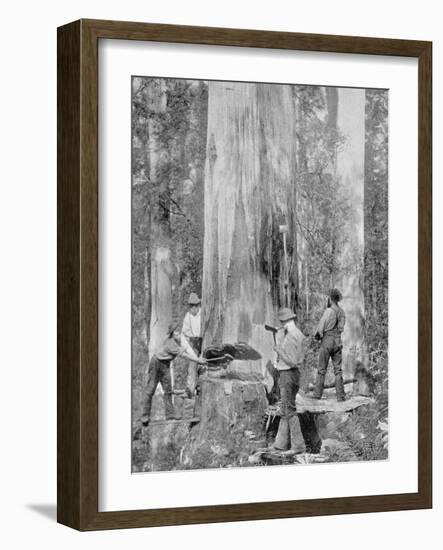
(187, 347)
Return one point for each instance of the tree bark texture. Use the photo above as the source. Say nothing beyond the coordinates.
(161, 296)
(231, 423)
(249, 192)
(350, 170)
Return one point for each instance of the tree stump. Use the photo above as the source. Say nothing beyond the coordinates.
(231, 423)
(159, 446)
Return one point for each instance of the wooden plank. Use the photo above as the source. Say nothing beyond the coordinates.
(329, 403)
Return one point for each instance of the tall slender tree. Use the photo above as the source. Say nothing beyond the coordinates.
(376, 230)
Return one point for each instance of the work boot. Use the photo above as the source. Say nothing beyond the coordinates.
(339, 388)
(319, 383)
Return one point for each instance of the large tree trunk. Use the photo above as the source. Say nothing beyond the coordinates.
(161, 296)
(161, 268)
(140, 269)
(350, 169)
(249, 192)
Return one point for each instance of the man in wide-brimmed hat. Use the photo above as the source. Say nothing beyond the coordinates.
(329, 331)
(290, 356)
(191, 335)
(159, 371)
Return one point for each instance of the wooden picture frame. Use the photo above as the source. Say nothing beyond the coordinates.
(77, 456)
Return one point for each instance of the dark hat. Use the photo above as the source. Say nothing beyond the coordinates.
(194, 300)
(286, 314)
(335, 294)
(173, 327)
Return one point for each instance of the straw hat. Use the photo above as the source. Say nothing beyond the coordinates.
(194, 300)
(286, 314)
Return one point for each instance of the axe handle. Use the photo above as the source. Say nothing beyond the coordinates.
(172, 384)
(286, 281)
(225, 356)
(274, 331)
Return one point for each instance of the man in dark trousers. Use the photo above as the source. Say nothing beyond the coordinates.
(329, 331)
(159, 370)
(290, 356)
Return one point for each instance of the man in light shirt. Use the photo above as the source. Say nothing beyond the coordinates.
(290, 356)
(191, 336)
(329, 331)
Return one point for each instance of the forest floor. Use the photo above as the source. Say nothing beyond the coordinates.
(346, 436)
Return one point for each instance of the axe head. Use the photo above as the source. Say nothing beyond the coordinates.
(271, 328)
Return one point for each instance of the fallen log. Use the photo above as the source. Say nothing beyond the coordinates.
(331, 385)
(329, 404)
(305, 422)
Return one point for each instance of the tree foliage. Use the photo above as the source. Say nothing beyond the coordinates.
(169, 119)
(323, 208)
(376, 233)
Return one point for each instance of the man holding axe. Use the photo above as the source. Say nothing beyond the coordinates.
(290, 356)
(159, 371)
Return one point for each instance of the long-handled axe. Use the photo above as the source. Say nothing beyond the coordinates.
(220, 361)
(284, 229)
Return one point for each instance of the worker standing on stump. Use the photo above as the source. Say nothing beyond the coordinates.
(290, 355)
(191, 335)
(159, 371)
(329, 331)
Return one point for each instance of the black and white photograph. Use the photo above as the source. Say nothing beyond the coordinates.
(259, 274)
